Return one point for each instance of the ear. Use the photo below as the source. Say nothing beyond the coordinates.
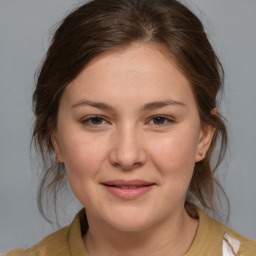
(204, 141)
(56, 147)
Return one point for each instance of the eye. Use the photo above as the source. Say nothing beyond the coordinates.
(160, 121)
(94, 121)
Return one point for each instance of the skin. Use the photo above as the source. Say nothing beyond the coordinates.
(132, 139)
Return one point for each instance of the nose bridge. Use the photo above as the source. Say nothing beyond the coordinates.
(127, 151)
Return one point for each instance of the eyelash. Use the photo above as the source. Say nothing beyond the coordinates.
(88, 121)
(167, 120)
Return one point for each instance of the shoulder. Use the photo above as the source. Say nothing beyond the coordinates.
(54, 244)
(65, 242)
(215, 238)
(232, 241)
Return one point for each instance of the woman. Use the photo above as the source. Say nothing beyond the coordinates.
(125, 107)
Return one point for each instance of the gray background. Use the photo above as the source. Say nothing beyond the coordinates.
(25, 27)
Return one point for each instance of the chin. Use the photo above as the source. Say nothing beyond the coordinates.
(131, 221)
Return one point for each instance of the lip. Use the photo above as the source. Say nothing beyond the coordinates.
(128, 189)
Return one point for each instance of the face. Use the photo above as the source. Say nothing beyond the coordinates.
(129, 134)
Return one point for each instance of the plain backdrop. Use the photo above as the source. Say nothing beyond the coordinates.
(25, 29)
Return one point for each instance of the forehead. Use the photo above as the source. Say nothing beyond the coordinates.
(139, 71)
(136, 57)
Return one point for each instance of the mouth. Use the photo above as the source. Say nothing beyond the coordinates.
(128, 190)
(127, 186)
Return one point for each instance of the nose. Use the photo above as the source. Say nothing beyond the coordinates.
(127, 150)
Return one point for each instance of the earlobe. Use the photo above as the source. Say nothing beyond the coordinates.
(56, 147)
(204, 142)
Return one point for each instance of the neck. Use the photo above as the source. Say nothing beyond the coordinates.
(172, 236)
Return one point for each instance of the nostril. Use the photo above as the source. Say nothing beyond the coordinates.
(127, 157)
(126, 166)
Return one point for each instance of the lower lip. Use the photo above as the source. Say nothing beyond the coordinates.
(128, 193)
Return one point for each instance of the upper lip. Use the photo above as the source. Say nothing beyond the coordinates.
(127, 183)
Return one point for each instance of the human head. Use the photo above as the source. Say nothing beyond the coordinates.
(101, 26)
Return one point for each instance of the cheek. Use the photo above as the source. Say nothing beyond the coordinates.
(83, 159)
(82, 155)
(174, 155)
(175, 162)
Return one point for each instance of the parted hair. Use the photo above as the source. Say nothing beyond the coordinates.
(106, 25)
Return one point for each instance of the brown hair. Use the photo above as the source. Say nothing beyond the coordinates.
(105, 25)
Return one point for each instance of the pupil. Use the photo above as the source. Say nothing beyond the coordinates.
(159, 120)
(96, 120)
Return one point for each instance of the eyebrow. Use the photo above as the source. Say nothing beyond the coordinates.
(161, 104)
(98, 105)
(146, 107)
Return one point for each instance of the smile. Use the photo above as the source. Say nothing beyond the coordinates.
(128, 187)
(128, 190)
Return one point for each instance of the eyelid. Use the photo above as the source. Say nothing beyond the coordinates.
(85, 120)
(167, 118)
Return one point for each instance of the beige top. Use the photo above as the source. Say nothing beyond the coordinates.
(212, 238)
